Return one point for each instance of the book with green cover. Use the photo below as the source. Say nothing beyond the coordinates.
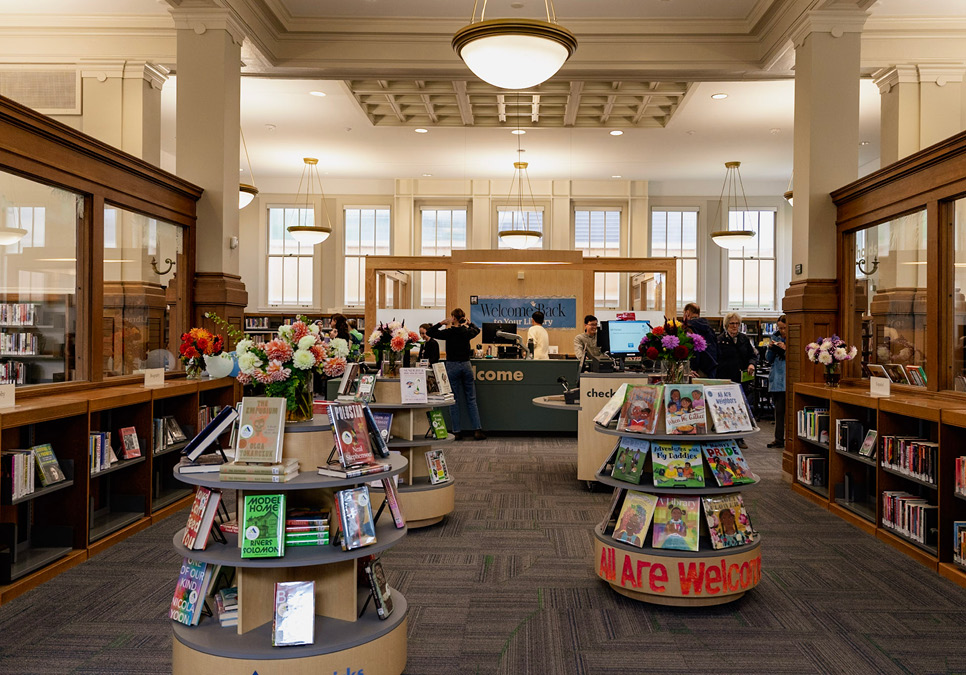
(437, 424)
(48, 468)
(263, 526)
(629, 461)
(677, 464)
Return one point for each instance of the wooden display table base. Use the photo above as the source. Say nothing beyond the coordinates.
(425, 505)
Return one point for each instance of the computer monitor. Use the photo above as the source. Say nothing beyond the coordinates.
(624, 337)
(491, 338)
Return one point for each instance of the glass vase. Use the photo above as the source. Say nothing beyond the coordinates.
(833, 374)
(392, 362)
(676, 372)
(194, 368)
(299, 408)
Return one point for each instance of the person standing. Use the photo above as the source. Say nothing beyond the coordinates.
(736, 354)
(429, 349)
(706, 362)
(355, 332)
(775, 355)
(458, 332)
(585, 344)
(540, 337)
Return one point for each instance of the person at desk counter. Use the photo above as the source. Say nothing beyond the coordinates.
(705, 362)
(429, 349)
(538, 334)
(736, 355)
(458, 332)
(586, 343)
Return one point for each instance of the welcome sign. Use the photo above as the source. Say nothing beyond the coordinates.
(557, 312)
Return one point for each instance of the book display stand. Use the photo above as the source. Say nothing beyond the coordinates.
(422, 503)
(347, 628)
(661, 576)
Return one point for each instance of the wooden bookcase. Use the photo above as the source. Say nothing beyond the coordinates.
(263, 325)
(58, 527)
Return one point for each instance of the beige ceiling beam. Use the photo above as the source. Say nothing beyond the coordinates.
(573, 103)
(392, 101)
(609, 106)
(535, 108)
(463, 101)
(643, 106)
(428, 102)
(501, 107)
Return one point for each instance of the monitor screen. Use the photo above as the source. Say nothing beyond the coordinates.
(624, 337)
(490, 337)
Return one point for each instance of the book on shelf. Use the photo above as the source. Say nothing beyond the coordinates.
(676, 523)
(190, 592)
(437, 424)
(130, 447)
(813, 423)
(100, 452)
(613, 406)
(263, 526)
(629, 460)
(676, 464)
(367, 387)
(173, 433)
(304, 516)
(49, 470)
(728, 522)
(959, 542)
(640, 408)
(380, 588)
(212, 431)
(610, 518)
(911, 516)
(438, 473)
(727, 464)
(320, 541)
(442, 378)
(349, 377)
(351, 434)
(383, 421)
(204, 464)
(897, 373)
(201, 518)
(728, 408)
(260, 430)
(287, 465)
(229, 526)
(915, 375)
(914, 457)
(259, 477)
(868, 447)
(18, 468)
(848, 435)
(226, 605)
(336, 470)
(412, 385)
(684, 409)
(379, 443)
(356, 523)
(294, 618)
(811, 469)
(392, 500)
(635, 518)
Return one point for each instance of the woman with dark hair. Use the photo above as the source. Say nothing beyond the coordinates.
(458, 332)
(429, 350)
(776, 379)
(341, 329)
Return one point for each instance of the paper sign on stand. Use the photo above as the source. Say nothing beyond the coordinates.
(7, 394)
(154, 377)
(879, 387)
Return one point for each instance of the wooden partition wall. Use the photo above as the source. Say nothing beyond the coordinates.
(517, 274)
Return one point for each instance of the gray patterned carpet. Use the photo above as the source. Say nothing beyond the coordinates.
(506, 584)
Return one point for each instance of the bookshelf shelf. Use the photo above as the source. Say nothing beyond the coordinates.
(305, 480)
(420, 442)
(958, 495)
(809, 441)
(173, 447)
(35, 558)
(856, 457)
(817, 489)
(168, 497)
(931, 550)
(41, 492)
(682, 438)
(119, 465)
(670, 553)
(864, 510)
(609, 480)
(912, 479)
(112, 521)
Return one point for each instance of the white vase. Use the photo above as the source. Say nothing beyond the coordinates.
(220, 365)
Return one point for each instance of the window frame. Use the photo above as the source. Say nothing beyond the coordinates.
(312, 254)
(622, 277)
(418, 247)
(698, 278)
(345, 208)
(773, 259)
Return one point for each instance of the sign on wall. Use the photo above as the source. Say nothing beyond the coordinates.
(557, 312)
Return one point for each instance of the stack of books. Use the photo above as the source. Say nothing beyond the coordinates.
(282, 472)
(226, 605)
(304, 527)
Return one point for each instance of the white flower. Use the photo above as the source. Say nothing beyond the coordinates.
(248, 362)
(400, 332)
(811, 346)
(811, 355)
(394, 325)
(314, 328)
(825, 358)
(243, 346)
(853, 352)
(840, 354)
(339, 347)
(303, 359)
(307, 341)
(375, 337)
(285, 331)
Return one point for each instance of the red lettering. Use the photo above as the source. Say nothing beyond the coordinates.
(657, 576)
(745, 575)
(712, 579)
(694, 576)
(736, 571)
(607, 568)
(641, 566)
(627, 572)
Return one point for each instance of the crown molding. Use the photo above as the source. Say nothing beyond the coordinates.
(202, 19)
(941, 74)
(886, 78)
(835, 22)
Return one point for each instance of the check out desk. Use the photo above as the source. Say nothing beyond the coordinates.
(596, 389)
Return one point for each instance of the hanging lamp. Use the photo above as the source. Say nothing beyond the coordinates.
(788, 192)
(11, 235)
(306, 231)
(520, 236)
(246, 192)
(514, 53)
(732, 238)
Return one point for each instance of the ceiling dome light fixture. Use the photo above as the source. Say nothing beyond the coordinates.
(514, 53)
(11, 235)
(306, 231)
(788, 193)
(732, 238)
(246, 192)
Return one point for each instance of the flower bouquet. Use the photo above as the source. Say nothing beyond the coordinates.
(830, 352)
(196, 344)
(388, 341)
(674, 347)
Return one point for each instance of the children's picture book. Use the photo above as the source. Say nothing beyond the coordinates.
(728, 522)
(130, 448)
(684, 409)
(677, 464)
(437, 466)
(263, 526)
(437, 423)
(629, 460)
(351, 434)
(729, 413)
(867, 449)
(48, 468)
(260, 430)
(676, 523)
(294, 620)
(635, 518)
(611, 518)
(380, 588)
(612, 407)
(728, 465)
(367, 385)
(355, 518)
(442, 378)
(384, 423)
(639, 411)
(412, 385)
(190, 591)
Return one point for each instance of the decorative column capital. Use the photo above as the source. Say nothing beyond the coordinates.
(886, 78)
(203, 18)
(835, 22)
(941, 74)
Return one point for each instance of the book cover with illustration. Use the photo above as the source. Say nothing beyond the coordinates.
(437, 423)
(355, 518)
(380, 588)
(129, 443)
(384, 423)
(48, 468)
(635, 518)
(676, 523)
(412, 385)
(867, 449)
(728, 522)
(677, 464)
(630, 458)
(378, 442)
(195, 516)
(351, 434)
(437, 466)
(260, 430)
(728, 465)
(726, 403)
(639, 412)
(294, 619)
(442, 378)
(263, 526)
(190, 591)
(684, 409)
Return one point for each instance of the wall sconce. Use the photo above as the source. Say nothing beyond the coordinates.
(861, 266)
(154, 265)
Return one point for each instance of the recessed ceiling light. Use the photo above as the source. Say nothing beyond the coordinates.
(616, 132)
(320, 94)
(427, 175)
(422, 131)
(518, 132)
(616, 176)
(718, 97)
(864, 142)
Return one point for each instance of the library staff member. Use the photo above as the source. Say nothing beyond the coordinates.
(458, 332)
(539, 336)
(585, 344)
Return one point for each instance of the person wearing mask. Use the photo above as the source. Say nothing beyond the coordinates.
(458, 332)
(585, 344)
(540, 337)
(706, 362)
(775, 355)
(429, 349)
(736, 354)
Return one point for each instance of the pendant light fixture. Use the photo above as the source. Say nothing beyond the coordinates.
(732, 187)
(11, 234)
(520, 236)
(788, 192)
(246, 192)
(306, 231)
(514, 53)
